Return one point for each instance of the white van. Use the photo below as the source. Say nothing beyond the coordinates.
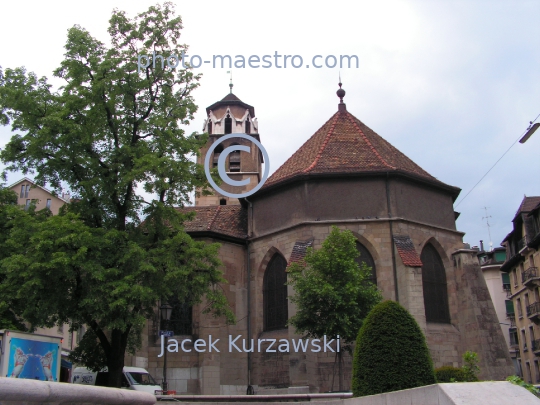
(134, 378)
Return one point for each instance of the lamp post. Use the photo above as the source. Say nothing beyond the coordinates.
(166, 311)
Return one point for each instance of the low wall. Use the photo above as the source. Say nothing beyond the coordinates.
(482, 393)
(14, 391)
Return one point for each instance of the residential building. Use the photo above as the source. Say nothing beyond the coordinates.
(28, 192)
(522, 262)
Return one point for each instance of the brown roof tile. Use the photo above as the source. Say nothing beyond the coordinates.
(299, 251)
(228, 220)
(344, 144)
(527, 205)
(407, 252)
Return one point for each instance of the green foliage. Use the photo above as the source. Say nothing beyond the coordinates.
(108, 134)
(514, 379)
(391, 353)
(470, 366)
(8, 209)
(89, 352)
(447, 374)
(333, 293)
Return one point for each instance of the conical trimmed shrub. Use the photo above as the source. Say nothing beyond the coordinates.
(391, 352)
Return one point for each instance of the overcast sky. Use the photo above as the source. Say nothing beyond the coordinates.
(452, 84)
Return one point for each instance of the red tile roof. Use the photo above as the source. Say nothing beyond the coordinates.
(227, 220)
(407, 252)
(299, 251)
(345, 145)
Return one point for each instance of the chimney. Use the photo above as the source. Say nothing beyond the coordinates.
(481, 245)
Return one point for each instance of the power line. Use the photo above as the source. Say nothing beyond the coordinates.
(498, 160)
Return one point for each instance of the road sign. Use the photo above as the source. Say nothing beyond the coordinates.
(167, 333)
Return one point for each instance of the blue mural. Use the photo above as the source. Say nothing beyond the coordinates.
(33, 360)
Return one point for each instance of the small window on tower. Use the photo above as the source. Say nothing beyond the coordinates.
(228, 124)
(209, 127)
(234, 161)
(217, 152)
(223, 201)
(248, 126)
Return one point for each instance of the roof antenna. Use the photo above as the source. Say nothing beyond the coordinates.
(230, 84)
(489, 230)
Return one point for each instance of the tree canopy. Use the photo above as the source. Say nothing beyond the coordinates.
(333, 294)
(110, 133)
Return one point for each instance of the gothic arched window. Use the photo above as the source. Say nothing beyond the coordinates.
(434, 286)
(275, 294)
(209, 127)
(248, 126)
(234, 160)
(181, 321)
(228, 124)
(365, 257)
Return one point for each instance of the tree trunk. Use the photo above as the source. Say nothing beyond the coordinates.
(115, 358)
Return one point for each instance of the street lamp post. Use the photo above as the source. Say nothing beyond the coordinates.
(166, 311)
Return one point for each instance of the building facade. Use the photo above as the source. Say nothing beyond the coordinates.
(348, 176)
(522, 262)
(29, 192)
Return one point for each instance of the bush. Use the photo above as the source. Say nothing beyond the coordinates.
(514, 379)
(470, 366)
(448, 374)
(391, 352)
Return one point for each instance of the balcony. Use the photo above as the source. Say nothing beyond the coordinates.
(530, 277)
(514, 342)
(533, 312)
(535, 346)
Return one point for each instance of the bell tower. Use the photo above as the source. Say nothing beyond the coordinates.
(229, 116)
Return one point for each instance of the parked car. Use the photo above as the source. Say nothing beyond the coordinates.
(133, 378)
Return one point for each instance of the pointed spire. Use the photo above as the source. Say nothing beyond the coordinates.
(341, 93)
(230, 84)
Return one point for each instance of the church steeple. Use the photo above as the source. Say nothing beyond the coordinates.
(231, 115)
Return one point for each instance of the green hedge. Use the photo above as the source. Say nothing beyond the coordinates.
(448, 374)
(391, 352)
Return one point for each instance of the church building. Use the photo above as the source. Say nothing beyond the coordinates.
(344, 175)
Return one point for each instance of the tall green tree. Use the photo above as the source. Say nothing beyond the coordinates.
(111, 132)
(333, 294)
(8, 210)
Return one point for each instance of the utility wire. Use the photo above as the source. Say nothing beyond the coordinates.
(498, 160)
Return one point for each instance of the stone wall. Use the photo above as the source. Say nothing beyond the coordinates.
(478, 320)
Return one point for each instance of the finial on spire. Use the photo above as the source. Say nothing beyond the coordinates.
(341, 93)
(230, 84)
